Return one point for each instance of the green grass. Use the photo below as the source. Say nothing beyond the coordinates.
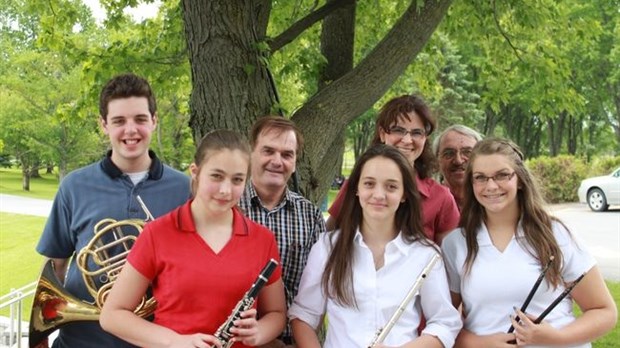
(613, 337)
(20, 264)
(44, 187)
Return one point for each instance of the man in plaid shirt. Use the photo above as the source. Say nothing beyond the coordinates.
(267, 200)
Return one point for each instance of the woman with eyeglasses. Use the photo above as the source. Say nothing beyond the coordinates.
(406, 123)
(507, 244)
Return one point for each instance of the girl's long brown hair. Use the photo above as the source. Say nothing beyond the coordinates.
(535, 221)
(337, 280)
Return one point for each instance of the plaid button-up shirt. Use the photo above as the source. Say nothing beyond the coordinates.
(296, 223)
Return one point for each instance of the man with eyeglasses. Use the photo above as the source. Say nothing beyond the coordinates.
(453, 148)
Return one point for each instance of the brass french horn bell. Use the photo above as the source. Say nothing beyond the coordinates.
(100, 262)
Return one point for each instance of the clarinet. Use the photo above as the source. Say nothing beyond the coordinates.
(223, 332)
(383, 332)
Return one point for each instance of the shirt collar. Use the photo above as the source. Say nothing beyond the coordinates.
(398, 242)
(424, 186)
(155, 171)
(484, 238)
(254, 198)
(185, 222)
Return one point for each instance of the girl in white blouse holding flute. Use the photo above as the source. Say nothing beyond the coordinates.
(359, 274)
(509, 254)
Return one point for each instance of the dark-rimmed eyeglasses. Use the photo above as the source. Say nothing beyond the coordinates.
(450, 154)
(498, 178)
(416, 133)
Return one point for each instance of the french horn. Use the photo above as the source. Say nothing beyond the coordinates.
(100, 263)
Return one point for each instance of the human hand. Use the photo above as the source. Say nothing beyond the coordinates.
(528, 333)
(246, 329)
(197, 340)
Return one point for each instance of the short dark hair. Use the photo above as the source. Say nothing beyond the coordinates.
(277, 123)
(126, 86)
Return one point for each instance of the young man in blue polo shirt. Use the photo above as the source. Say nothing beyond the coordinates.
(109, 189)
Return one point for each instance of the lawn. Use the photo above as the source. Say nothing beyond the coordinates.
(20, 264)
(44, 187)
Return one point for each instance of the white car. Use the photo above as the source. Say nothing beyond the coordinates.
(601, 191)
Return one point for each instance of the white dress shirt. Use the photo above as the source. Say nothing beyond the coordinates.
(499, 281)
(378, 293)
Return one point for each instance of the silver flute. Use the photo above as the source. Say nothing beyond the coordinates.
(223, 333)
(384, 331)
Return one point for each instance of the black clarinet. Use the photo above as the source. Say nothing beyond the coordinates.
(553, 304)
(223, 333)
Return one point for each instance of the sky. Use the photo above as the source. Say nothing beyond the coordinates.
(143, 11)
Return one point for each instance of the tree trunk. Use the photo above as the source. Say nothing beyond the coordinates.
(231, 83)
(337, 43)
(555, 130)
(26, 178)
(34, 170)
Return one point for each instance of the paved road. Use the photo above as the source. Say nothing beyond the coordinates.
(23, 205)
(600, 232)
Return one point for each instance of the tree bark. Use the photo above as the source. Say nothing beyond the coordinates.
(337, 45)
(326, 114)
(232, 86)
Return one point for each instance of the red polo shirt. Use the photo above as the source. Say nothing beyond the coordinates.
(196, 289)
(439, 211)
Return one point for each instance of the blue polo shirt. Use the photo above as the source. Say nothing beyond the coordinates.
(85, 197)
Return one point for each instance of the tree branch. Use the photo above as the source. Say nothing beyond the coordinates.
(341, 101)
(301, 25)
(503, 33)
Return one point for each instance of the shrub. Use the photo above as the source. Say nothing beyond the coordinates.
(559, 176)
(602, 166)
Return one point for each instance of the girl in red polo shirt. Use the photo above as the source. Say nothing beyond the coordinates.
(201, 259)
(406, 122)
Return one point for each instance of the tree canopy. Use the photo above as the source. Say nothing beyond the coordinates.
(543, 73)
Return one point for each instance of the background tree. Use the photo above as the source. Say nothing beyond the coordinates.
(232, 84)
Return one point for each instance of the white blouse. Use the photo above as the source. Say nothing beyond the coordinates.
(378, 294)
(500, 280)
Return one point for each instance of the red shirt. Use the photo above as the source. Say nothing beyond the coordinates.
(439, 211)
(195, 288)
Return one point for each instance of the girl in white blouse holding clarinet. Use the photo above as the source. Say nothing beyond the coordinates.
(359, 274)
(512, 266)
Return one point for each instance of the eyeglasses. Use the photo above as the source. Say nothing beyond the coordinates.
(498, 178)
(401, 132)
(450, 154)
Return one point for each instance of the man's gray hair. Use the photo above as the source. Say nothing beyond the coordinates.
(459, 128)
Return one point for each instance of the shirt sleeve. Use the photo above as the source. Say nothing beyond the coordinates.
(334, 209)
(310, 302)
(449, 214)
(142, 254)
(576, 258)
(450, 255)
(442, 319)
(274, 254)
(319, 225)
(57, 239)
